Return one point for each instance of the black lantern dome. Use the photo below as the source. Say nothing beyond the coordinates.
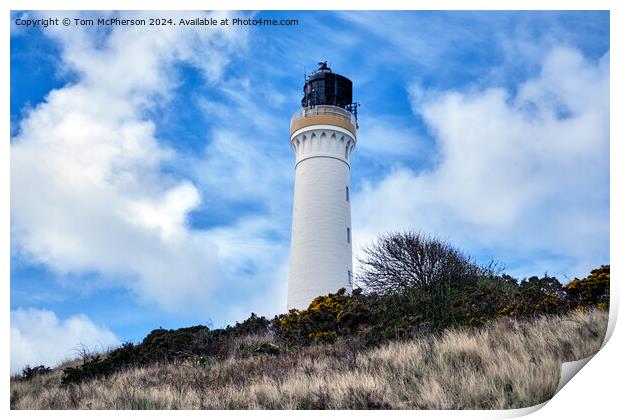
(324, 87)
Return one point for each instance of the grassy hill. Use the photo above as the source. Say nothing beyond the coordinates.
(431, 329)
(509, 363)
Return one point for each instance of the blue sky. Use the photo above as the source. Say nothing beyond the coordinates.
(152, 179)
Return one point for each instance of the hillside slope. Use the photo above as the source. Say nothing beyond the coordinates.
(509, 364)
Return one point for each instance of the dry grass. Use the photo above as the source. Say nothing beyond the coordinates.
(510, 364)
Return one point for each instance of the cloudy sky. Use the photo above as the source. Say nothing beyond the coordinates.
(152, 179)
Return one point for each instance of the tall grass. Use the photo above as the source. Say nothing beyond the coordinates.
(509, 364)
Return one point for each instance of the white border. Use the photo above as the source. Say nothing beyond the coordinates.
(592, 394)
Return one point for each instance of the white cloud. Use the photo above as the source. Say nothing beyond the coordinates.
(88, 192)
(38, 337)
(239, 168)
(525, 176)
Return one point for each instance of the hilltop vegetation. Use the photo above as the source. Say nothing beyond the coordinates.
(427, 325)
(510, 363)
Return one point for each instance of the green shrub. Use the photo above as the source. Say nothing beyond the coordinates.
(480, 304)
(163, 345)
(253, 325)
(122, 357)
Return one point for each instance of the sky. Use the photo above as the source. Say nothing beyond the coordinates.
(152, 178)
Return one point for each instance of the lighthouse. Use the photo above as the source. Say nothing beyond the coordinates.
(322, 135)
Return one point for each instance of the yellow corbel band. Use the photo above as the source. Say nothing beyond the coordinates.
(323, 120)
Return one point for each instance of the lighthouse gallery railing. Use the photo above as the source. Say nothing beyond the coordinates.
(323, 110)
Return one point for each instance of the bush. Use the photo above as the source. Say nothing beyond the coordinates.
(30, 372)
(169, 345)
(481, 303)
(536, 296)
(161, 345)
(321, 316)
(88, 370)
(430, 274)
(398, 262)
(373, 318)
(122, 357)
(253, 325)
(591, 291)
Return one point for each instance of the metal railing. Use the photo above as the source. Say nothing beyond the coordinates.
(324, 110)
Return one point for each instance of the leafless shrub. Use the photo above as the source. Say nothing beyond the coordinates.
(85, 354)
(400, 261)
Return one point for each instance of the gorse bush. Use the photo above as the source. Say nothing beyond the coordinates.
(412, 285)
(591, 291)
(481, 302)
(327, 317)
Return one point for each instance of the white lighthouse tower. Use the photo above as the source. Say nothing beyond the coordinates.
(323, 135)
